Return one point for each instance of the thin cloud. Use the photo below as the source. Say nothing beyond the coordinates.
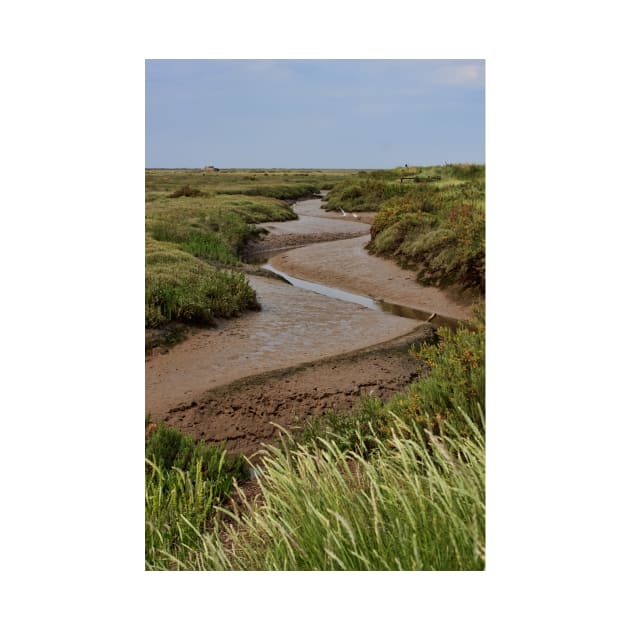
(464, 74)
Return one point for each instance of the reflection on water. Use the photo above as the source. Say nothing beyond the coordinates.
(376, 305)
(322, 289)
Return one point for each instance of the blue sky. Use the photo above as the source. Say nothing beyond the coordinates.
(314, 113)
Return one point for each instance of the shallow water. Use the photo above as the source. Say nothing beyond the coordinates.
(322, 289)
(376, 305)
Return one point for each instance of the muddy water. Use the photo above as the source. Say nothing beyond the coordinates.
(295, 325)
(376, 305)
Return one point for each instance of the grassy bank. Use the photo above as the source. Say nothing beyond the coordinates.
(215, 227)
(430, 219)
(396, 486)
(181, 288)
(197, 221)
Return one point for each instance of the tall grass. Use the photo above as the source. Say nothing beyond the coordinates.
(184, 483)
(391, 486)
(412, 505)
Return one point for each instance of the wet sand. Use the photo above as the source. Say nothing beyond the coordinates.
(347, 265)
(314, 225)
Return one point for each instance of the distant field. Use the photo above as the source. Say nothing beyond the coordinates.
(277, 183)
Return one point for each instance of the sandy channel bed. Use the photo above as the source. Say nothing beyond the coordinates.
(293, 327)
(348, 266)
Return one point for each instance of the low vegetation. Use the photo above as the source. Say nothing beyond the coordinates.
(276, 183)
(214, 228)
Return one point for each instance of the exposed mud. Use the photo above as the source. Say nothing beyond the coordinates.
(293, 327)
(243, 414)
(303, 354)
(348, 266)
(314, 225)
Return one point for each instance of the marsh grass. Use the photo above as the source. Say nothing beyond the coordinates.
(182, 229)
(352, 431)
(277, 183)
(185, 481)
(179, 287)
(411, 505)
(214, 228)
(436, 227)
(437, 230)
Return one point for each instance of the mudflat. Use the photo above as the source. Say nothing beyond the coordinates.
(303, 353)
(347, 265)
(293, 327)
(246, 414)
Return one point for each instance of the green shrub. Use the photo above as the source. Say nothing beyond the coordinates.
(456, 380)
(169, 448)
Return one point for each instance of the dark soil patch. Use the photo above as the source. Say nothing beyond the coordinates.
(244, 413)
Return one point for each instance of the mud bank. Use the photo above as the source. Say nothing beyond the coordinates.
(348, 266)
(314, 225)
(304, 353)
(243, 414)
(293, 327)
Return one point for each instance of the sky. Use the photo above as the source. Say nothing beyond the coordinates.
(313, 113)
